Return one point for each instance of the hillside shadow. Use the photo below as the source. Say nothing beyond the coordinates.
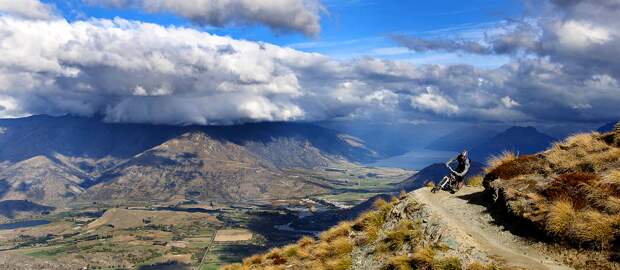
(515, 225)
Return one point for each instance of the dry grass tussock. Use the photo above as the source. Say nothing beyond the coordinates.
(475, 181)
(577, 184)
(496, 161)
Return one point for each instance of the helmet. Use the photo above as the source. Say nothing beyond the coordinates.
(464, 153)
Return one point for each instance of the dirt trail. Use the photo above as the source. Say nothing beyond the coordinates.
(473, 225)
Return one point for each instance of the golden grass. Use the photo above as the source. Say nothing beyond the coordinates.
(371, 222)
(305, 241)
(560, 217)
(611, 181)
(276, 257)
(595, 227)
(399, 262)
(342, 229)
(256, 259)
(342, 263)
(424, 256)
(341, 246)
(479, 266)
(404, 232)
(475, 181)
(494, 161)
(448, 263)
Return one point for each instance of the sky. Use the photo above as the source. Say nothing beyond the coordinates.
(235, 61)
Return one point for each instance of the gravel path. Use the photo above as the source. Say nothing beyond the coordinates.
(472, 224)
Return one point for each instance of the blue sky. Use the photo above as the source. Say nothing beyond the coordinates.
(354, 28)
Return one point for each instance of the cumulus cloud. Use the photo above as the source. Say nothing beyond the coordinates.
(31, 9)
(132, 71)
(434, 102)
(280, 15)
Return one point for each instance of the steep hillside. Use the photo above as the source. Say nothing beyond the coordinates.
(40, 180)
(196, 166)
(570, 192)
(435, 173)
(421, 230)
(523, 140)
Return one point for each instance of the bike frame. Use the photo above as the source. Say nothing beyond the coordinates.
(448, 179)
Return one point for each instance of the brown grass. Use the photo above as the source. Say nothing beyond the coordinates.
(424, 257)
(568, 187)
(594, 227)
(518, 166)
(475, 181)
(343, 263)
(495, 161)
(479, 266)
(405, 232)
(372, 221)
(560, 218)
(342, 229)
(448, 263)
(399, 262)
(611, 182)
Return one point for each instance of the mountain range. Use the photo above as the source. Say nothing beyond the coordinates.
(54, 160)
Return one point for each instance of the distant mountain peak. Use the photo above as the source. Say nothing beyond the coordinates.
(523, 140)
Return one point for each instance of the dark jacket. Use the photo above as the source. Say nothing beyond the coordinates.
(462, 167)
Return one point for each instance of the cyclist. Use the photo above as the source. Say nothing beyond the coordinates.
(461, 170)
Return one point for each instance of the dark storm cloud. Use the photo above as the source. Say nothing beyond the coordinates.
(280, 15)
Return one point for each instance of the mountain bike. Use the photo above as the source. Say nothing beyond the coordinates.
(447, 183)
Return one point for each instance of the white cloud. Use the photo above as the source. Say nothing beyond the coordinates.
(434, 102)
(280, 15)
(132, 71)
(31, 9)
(581, 35)
(509, 103)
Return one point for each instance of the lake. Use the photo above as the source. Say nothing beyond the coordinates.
(416, 159)
(23, 224)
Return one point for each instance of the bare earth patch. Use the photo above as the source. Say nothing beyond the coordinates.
(233, 235)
